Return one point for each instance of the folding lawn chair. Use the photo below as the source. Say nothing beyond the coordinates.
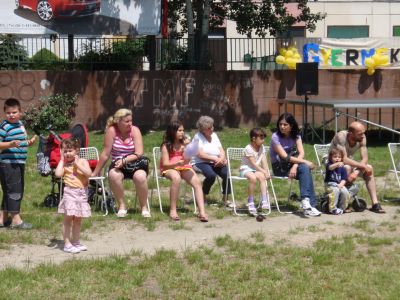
(280, 178)
(394, 151)
(92, 156)
(157, 177)
(234, 156)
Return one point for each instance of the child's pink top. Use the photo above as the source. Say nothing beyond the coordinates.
(175, 156)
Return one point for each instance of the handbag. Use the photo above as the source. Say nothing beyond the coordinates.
(140, 163)
(283, 166)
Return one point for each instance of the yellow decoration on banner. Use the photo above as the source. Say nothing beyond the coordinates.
(288, 56)
(380, 58)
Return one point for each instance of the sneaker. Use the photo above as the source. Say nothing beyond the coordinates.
(336, 211)
(80, 247)
(316, 211)
(265, 205)
(312, 212)
(252, 209)
(22, 225)
(305, 204)
(71, 249)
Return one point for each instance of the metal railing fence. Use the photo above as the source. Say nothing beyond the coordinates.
(121, 53)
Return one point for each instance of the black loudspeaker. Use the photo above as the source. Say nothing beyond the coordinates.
(307, 78)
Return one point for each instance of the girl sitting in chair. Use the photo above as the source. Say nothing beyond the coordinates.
(254, 167)
(174, 167)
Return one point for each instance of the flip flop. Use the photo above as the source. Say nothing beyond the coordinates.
(203, 219)
(122, 213)
(377, 208)
(175, 218)
(146, 214)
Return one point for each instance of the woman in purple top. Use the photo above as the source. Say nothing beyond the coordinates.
(287, 159)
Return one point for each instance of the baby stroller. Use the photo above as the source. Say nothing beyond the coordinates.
(358, 204)
(48, 157)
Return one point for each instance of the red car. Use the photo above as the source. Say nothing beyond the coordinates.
(49, 9)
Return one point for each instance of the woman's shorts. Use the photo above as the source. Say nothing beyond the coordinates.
(127, 174)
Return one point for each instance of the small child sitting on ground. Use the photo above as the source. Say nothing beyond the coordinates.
(254, 167)
(335, 180)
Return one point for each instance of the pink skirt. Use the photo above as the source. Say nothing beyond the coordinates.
(75, 202)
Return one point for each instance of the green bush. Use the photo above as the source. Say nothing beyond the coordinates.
(12, 55)
(44, 59)
(57, 111)
(119, 55)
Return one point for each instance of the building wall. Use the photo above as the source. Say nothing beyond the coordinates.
(380, 16)
(232, 98)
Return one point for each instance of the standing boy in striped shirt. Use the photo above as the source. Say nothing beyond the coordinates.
(14, 150)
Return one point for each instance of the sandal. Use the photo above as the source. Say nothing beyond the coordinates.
(146, 213)
(122, 213)
(229, 205)
(174, 217)
(203, 219)
(377, 208)
(6, 224)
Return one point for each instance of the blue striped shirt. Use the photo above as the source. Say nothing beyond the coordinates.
(10, 132)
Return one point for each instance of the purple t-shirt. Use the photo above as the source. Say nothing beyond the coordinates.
(287, 144)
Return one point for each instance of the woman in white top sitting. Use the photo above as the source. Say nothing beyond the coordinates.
(211, 160)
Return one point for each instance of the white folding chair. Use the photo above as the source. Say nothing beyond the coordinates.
(321, 152)
(157, 177)
(234, 156)
(90, 154)
(394, 151)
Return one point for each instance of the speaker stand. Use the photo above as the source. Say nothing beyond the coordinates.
(307, 129)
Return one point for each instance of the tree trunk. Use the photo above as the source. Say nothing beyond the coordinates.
(190, 24)
(205, 28)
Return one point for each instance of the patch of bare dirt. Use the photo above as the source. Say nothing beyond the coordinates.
(121, 237)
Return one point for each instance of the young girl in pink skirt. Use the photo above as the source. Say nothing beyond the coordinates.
(74, 205)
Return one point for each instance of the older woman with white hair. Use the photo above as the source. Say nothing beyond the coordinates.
(123, 142)
(211, 160)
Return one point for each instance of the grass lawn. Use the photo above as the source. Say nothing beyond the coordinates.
(337, 268)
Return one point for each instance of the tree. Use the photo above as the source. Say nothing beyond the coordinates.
(12, 55)
(262, 17)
